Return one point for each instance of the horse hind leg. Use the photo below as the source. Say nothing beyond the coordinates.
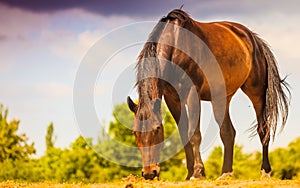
(258, 101)
(227, 133)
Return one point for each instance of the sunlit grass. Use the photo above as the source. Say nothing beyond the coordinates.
(132, 181)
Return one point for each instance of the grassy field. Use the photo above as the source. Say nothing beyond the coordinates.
(133, 182)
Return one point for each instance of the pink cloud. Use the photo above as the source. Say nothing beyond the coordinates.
(17, 23)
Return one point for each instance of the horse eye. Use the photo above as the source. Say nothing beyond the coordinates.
(157, 130)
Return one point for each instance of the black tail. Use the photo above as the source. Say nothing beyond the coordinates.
(277, 101)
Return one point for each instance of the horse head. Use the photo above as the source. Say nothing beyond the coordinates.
(149, 134)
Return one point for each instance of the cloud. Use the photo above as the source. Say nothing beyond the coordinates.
(66, 34)
(23, 33)
(75, 45)
(240, 7)
(17, 29)
(54, 90)
(2, 37)
(17, 24)
(282, 34)
(70, 33)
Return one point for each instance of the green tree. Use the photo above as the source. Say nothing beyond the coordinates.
(286, 161)
(77, 163)
(120, 133)
(13, 146)
(80, 163)
(49, 137)
(294, 157)
(15, 151)
(245, 165)
(213, 164)
(120, 127)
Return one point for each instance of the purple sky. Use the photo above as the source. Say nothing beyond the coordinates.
(103, 7)
(138, 8)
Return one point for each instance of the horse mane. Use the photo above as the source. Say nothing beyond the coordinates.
(147, 62)
(157, 30)
(149, 49)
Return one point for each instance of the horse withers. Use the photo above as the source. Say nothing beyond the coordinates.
(184, 62)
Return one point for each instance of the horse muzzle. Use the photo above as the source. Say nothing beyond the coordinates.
(150, 172)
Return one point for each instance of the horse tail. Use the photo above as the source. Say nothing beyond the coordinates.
(277, 101)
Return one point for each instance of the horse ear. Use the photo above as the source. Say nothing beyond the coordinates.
(157, 106)
(132, 106)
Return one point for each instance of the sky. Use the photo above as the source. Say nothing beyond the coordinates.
(43, 45)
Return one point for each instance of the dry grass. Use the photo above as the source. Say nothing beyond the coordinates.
(135, 182)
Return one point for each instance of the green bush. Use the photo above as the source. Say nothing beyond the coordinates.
(80, 163)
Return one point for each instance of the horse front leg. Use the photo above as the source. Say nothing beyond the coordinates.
(188, 146)
(199, 171)
(194, 107)
(179, 113)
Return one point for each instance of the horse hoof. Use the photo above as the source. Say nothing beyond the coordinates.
(226, 176)
(265, 175)
(193, 178)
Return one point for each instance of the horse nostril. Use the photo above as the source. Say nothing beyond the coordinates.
(155, 172)
(149, 176)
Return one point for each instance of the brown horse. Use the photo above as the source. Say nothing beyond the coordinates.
(186, 61)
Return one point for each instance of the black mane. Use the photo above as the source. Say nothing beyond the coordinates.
(147, 62)
(149, 49)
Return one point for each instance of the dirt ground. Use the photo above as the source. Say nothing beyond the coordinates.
(134, 182)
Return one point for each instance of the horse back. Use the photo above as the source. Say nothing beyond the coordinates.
(232, 47)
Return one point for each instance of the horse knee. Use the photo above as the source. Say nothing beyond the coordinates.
(196, 140)
(227, 133)
(264, 135)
